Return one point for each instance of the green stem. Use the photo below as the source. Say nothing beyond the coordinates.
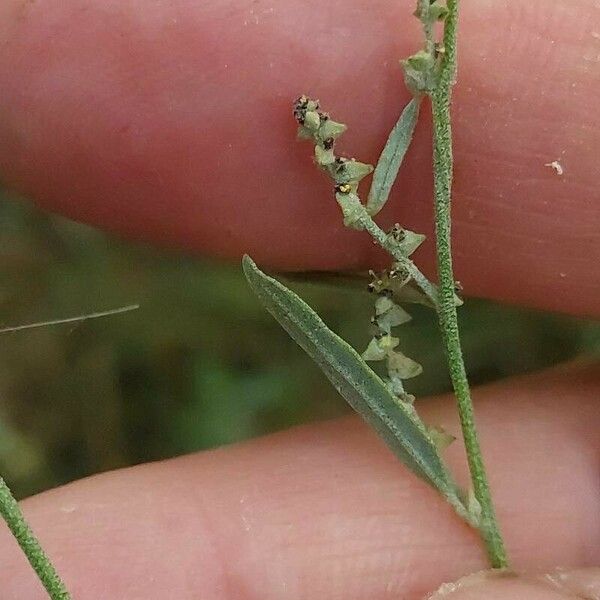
(11, 513)
(443, 168)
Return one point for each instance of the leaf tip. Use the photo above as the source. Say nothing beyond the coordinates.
(248, 265)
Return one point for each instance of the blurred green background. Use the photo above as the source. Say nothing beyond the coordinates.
(200, 364)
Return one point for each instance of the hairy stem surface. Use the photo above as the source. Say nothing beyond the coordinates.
(11, 513)
(443, 167)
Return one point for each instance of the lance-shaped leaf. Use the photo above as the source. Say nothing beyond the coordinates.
(392, 156)
(398, 425)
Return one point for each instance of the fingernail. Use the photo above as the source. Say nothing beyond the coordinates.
(584, 583)
(491, 585)
(474, 581)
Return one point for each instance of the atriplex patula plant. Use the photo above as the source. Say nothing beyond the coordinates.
(383, 401)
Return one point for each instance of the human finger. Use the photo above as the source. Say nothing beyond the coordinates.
(170, 122)
(326, 511)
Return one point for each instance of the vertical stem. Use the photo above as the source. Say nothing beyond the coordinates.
(443, 167)
(11, 513)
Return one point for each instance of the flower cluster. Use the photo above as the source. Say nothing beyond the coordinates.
(346, 173)
(316, 125)
(421, 70)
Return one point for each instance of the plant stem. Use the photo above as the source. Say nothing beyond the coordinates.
(443, 168)
(11, 513)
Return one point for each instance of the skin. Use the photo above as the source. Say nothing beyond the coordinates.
(169, 122)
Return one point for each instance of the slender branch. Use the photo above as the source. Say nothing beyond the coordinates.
(11, 513)
(417, 276)
(9, 508)
(443, 168)
(96, 315)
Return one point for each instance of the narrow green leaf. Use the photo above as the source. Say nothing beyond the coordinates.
(392, 156)
(397, 423)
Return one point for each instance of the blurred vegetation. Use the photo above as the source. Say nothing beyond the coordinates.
(200, 363)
